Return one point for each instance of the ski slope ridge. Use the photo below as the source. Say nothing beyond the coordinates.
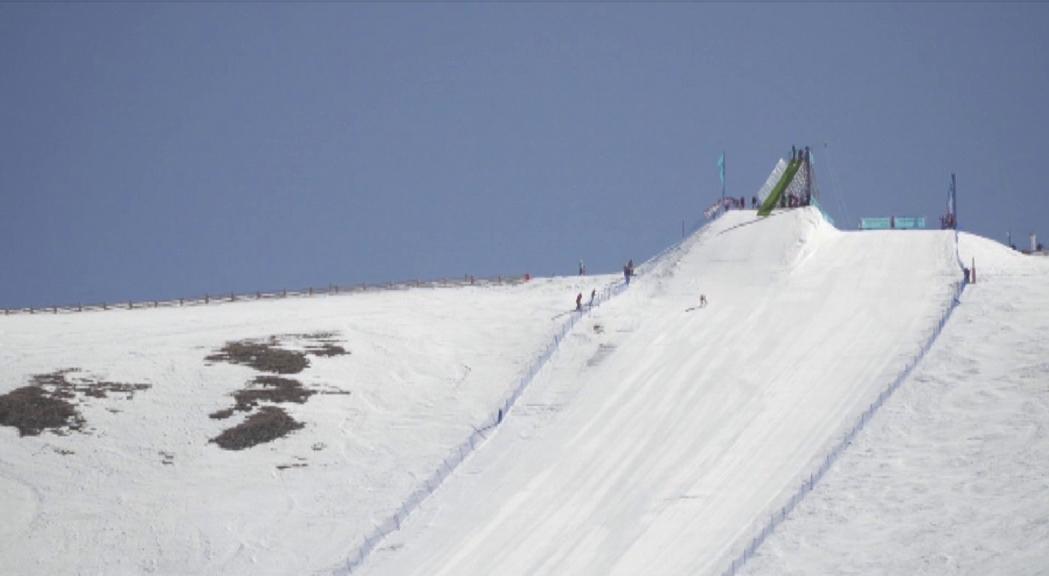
(659, 441)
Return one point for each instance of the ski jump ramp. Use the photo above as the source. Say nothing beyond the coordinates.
(660, 441)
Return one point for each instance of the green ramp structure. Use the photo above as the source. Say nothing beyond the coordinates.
(795, 182)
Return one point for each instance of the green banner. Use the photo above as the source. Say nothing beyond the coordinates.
(773, 198)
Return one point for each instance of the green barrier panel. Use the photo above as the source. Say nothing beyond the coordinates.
(907, 223)
(773, 199)
(898, 223)
(875, 223)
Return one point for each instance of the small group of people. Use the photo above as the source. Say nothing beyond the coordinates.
(795, 200)
(799, 154)
(628, 273)
(579, 300)
(730, 203)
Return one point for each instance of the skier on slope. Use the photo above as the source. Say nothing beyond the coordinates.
(579, 302)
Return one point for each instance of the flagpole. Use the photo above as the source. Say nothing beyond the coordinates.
(722, 174)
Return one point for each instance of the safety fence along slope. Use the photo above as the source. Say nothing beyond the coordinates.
(779, 514)
(475, 439)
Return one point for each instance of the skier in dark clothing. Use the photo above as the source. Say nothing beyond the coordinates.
(579, 302)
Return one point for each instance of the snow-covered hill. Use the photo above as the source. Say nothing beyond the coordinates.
(952, 477)
(139, 488)
(658, 439)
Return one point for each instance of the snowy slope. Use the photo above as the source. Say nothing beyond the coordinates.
(141, 489)
(952, 476)
(658, 440)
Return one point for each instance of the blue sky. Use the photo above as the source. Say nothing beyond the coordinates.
(166, 150)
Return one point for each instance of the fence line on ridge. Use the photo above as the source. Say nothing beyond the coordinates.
(227, 297)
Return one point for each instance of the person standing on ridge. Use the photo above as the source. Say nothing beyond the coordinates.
(628, 270)
(579, 302)
(582, 268)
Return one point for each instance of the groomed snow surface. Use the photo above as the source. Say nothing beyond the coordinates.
(952, 477)
(658, 439)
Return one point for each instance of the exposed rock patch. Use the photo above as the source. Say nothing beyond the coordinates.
(266, 389)
(264, 356)
(60, 384)
(327, 349)
(266, 425)
(50, 402)
(32, 410)
(277, 356)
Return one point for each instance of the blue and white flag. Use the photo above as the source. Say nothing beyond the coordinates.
(721, 168)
